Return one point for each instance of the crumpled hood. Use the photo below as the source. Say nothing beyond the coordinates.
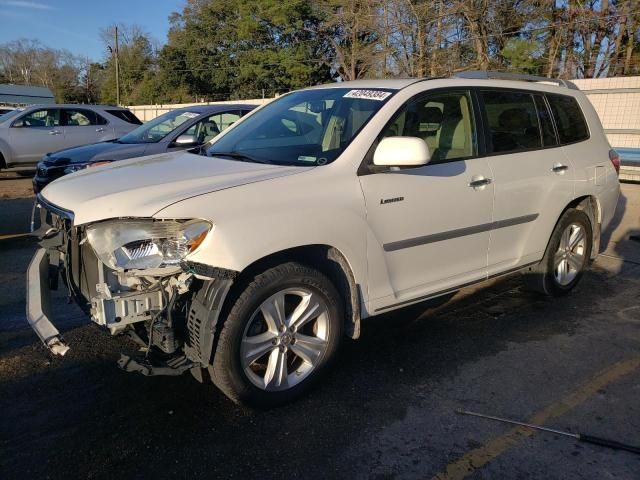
(95, 152)
(140, 187)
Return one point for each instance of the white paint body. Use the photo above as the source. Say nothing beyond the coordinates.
(261, 209)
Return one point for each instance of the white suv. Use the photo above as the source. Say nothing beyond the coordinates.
(253, 257)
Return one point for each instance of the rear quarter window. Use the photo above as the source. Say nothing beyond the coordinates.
(125, 115)
(570, 122)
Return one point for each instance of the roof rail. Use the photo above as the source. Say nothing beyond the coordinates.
(488, 74)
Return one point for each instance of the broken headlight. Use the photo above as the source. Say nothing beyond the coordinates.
(140, 244)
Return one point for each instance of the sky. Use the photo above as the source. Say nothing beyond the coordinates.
(74, 25)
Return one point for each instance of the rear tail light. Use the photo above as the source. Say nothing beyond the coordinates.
(615, 160)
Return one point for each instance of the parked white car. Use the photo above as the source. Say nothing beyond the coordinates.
(326, 206)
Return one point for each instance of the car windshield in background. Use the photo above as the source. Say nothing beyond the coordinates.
(125, 115)
(11, 114)
(309, 127)
(158, 128)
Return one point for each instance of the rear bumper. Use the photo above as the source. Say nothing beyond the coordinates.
(39, 303)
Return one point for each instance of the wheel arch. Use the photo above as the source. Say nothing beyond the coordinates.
(325, 258)
(589, 204)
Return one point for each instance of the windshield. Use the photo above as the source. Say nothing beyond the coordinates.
(309, 127)
(11, 114)
(158, 128)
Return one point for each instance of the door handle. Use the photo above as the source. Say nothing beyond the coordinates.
(479, 182)
(99, 130)
(55, 132)
(559, 168)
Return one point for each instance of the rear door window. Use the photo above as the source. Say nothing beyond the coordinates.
(513, 121)
(79, 118)
(125, 115)
(569, 119)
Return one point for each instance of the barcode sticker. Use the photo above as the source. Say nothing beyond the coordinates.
(378, 95)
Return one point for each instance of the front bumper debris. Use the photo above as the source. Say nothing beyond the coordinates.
(172, 313)
(39, 304)
(146, 366)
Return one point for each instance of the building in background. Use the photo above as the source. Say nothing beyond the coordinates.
(17, 95)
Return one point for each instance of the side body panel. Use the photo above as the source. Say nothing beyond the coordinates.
(282, 213)
(76, 135)
(423, 243)
(30, 144)
(531, 195)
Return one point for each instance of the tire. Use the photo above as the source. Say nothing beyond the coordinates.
(257, 361)
(566, 258)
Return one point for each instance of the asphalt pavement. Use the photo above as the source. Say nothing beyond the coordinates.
(387, 410)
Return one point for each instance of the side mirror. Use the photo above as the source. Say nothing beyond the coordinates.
(402, 152)
(186, 140)
(18, 124)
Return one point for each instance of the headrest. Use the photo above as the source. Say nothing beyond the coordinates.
(514, 118)
(211, 126)
(432, 115)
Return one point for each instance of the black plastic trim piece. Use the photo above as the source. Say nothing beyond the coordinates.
(460, 232)
(209, 271)
(455, 289)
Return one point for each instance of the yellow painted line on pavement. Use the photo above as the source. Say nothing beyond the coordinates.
(477, 458)
(14, 235)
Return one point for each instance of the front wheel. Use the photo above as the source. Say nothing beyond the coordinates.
(566, 257)
(279, 337)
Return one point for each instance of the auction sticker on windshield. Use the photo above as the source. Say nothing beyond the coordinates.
(378, 95)
(190, 114)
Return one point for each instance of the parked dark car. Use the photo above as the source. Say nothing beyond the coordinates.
(177, 129)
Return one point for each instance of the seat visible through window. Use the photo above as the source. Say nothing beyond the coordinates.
(443, 120)
(513, 121)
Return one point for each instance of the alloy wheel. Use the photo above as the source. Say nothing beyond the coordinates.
(569, 257)
(285, 339)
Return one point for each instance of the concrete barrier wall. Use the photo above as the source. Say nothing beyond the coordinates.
(617, 101)
(149, 112)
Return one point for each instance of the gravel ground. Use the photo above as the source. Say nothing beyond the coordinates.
(12, 185)
(387, 409)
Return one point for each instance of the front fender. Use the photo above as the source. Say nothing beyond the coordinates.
(257, 220)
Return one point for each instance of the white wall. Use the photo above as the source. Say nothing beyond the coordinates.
(617, 101)
(149, 112)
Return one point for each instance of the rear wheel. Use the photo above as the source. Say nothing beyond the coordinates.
(279, 337)
(566, 258)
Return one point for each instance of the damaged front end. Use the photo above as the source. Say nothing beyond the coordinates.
(131, 276)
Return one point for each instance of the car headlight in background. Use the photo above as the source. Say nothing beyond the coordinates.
(140, 244)
(81, 166)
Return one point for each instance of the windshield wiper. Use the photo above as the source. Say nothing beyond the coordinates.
(237, 156)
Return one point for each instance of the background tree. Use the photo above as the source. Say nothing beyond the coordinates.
(222, 50)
